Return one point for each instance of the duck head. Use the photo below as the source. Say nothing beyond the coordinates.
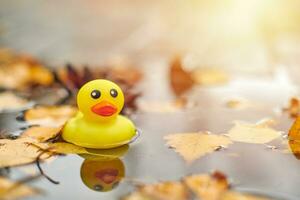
(100, 100)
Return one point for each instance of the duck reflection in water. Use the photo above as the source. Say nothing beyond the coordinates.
(102, 170)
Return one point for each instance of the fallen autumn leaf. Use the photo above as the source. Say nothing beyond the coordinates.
(259, 133)
(192, 146)
(19, 152)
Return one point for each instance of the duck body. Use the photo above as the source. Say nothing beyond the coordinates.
(98, 124)
(85, 133)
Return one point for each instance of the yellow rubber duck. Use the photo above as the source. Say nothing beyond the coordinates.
(98, 123)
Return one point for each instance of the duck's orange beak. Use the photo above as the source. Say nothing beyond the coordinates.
(104, 108)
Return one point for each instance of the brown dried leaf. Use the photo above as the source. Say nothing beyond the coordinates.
(41, 133)
(195, 145)
(18, 152)
(208, 187)
(9, 101)
(181, 80)
(259, 133)
(125, 74)
(54, 116)
(208, 76)
(160, 191)
(10, 190)
(126, 77)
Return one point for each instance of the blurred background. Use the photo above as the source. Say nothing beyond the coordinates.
(232, 34)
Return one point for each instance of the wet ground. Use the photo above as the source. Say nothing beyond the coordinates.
(251, 168)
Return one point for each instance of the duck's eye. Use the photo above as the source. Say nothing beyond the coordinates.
(114, 93)
(95, 94)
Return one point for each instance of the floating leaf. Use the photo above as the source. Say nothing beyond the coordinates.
(208, 187)
(204, 186)
(209, 76)
(9, 101)
(160, 191)
(42, 133)
(54, 116)
(181, 80)
(18, 152)
(259, 133)
(195, 145)
(10, 190)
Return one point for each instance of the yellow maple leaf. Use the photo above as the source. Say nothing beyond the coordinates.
(259, 133)
(192, 146)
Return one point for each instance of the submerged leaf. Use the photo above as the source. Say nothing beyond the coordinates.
(259, 133)
(10, 190)
(41, 133)
(54, 116)
(195, 145)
